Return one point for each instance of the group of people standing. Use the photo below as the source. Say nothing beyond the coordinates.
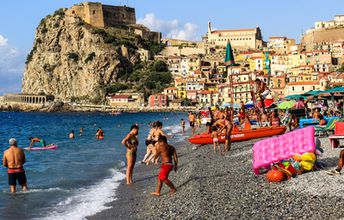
(157, 148)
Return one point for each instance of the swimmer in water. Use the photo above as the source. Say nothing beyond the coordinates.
(38, 140)
(71, 135)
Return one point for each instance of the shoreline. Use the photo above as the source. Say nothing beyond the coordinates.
(212, 186)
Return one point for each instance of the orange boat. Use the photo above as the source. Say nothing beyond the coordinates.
(240, 135)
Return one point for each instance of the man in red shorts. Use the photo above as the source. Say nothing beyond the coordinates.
(166, 152)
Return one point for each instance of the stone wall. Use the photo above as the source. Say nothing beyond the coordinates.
(101, 16)
(118, 15)
(322, 36)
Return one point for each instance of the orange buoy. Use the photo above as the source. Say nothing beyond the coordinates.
(275, 176)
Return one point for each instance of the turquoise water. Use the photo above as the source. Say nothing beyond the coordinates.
(80, 177)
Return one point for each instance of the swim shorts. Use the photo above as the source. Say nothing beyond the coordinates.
(164, 171)
(42, 142)
(192, 124)
(14, 177)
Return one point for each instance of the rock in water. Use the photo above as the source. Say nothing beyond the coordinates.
(74, 60)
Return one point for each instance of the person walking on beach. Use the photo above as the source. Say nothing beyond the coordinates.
(166, 152)
(131, 142)
(182, 123)
(150, 144)
(38, 140)
(340, 165)
(192, 119)
(14, 159)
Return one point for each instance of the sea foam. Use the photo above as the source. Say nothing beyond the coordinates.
(88, 201)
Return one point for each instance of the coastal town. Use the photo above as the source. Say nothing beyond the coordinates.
(201, 75)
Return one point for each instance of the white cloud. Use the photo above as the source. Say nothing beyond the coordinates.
(172, 28)
(11, 66)
(3, 41)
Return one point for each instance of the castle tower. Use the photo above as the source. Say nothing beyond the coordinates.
(209, 27)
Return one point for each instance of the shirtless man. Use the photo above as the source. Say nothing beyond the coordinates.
(192, 119)
(262, 91)
(166, 152)
(38, 140)
(14, 159)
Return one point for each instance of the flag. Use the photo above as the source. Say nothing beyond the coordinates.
(229, 59)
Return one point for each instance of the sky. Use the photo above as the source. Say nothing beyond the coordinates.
(184, 19)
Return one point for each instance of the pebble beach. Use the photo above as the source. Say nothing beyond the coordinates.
(224, 187)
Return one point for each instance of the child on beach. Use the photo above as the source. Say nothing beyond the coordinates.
(182, 123)
(215, 137)
(166, 152)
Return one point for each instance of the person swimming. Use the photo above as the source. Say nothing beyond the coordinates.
(36, 140)
(71, 135)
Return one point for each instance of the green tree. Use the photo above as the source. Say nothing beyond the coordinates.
(160, 66)
(341, 68)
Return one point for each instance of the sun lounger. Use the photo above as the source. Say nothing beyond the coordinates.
(329, 127)
(283, 147)
(338, 135)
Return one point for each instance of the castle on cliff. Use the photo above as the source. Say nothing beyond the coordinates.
(102, 16)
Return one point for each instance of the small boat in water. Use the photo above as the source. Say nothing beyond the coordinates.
(240, 135)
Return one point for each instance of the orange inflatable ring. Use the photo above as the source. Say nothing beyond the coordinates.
(275, 176)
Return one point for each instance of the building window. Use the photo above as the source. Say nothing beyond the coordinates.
(313, 87)
(94, 12)
(303, 88)
(73, 12)
(293, 88)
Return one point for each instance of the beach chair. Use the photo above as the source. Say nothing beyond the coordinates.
(338, 135)
(326, 129)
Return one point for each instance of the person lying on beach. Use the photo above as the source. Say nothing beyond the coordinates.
(14, 159)
(166, 152)
(339, 168)
(131, 142)
(36, 140)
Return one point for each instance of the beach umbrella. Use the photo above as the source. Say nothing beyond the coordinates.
(313, 93)
(286, 104)
(293, 97)
(236, 106)
(225, 105)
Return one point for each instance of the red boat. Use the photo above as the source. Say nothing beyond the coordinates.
(240, 135)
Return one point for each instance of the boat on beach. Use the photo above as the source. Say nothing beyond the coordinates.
(240, 135)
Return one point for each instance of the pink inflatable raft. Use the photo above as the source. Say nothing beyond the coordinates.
(283, 147)
(49, 147)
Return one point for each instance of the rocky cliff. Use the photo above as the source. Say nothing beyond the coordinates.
(75, 61)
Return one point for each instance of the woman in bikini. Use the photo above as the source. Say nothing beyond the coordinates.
(131, 142)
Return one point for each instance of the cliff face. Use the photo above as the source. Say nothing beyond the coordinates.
(74, 61)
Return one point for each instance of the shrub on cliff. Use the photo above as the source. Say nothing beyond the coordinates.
(73, 56)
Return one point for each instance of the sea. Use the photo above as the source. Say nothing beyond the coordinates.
(81, 176)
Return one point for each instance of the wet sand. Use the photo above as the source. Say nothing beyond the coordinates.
(224, 187)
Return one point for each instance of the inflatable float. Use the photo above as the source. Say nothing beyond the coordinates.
(100, 137)
(240, 135)
(49, 147)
